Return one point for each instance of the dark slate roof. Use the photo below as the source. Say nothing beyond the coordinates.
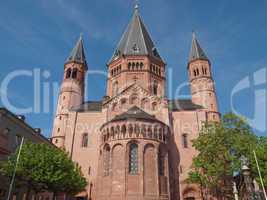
(183, 104)
(77, 53)
(196, 51)
(90, 106)
(35, 132)
(134, 113)
(136, 40)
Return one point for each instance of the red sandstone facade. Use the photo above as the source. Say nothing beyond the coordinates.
(135, 144)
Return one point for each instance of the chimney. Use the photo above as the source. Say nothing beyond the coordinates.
(21, 117)
(37, 130)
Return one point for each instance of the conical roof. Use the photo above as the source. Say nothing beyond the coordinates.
(77, 53)
(196, 51)
(136, 40)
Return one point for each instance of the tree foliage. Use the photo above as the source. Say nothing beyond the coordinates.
(220, 146)
(45, 167)
(261, 151)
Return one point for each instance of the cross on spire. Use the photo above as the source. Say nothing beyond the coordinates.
(136, 4)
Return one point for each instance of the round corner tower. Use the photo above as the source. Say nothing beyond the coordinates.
(201, 82)
(71, 91)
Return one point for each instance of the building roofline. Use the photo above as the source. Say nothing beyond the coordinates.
(4, 110)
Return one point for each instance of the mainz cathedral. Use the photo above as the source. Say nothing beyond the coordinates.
(134, 143)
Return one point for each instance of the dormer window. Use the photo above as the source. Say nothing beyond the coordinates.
(117, 53)
(136, 48)
(155, 52)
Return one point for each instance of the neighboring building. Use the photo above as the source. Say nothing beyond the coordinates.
(135, 143)
(12, 129)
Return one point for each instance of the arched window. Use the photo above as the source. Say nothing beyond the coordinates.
(133, 159)
(157, 70)
(197, 72)
(160, 134)
(154, 68)
(130, 130)
(143, 130)
(129, 66)
(134, 99)
(115, 88)
(137, 130)
(133, 66)
(117, 130)
(114, 107)
(123, 129)
(141, 65)
(68, 73)
(145, 103)
(149, 131)
(137, 66)
(203, 70)
(123, 102)
(85, 140)
(161, 163)
(74, 73)
(106, 157)
(155, 132)
(185, 140)
(155, 87)
(112, 131)
(211, 106)
(154, 106)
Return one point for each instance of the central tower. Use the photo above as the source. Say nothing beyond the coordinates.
(133, 158)
(136, 60)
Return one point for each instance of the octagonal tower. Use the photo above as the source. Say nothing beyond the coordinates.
(136, 60)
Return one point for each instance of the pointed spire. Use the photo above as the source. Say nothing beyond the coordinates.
(136, 39)
(77, 53)
(196, 51)
(136, 7)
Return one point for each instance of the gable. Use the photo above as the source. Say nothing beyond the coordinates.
(131, 96)
(131, 92)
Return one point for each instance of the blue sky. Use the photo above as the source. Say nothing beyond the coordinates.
(41, 33)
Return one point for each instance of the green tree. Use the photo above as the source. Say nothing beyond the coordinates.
(44, 167)
(261, 152)
(220, 146)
